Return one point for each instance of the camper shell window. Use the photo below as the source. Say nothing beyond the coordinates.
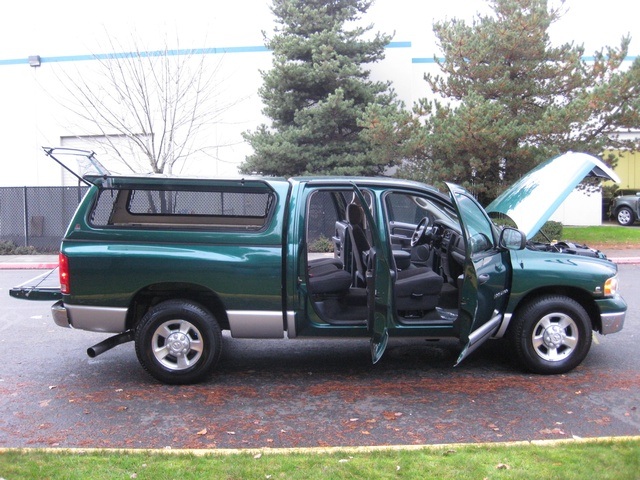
(245, 209)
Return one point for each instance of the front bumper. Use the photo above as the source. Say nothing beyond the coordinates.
(612, 322)
(612, 314)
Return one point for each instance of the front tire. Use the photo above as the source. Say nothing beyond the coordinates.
(625, 216)
(178, 342)
(552, 334)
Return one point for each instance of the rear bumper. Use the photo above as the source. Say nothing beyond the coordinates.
(93, 319)
(59, 314)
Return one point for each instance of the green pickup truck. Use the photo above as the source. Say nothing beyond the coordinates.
(169, 263)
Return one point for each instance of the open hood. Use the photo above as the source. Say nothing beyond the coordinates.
(532, 200)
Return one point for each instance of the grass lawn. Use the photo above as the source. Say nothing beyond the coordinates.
(611, 236)
(609, 459)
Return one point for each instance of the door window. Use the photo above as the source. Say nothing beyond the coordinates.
(478, 226)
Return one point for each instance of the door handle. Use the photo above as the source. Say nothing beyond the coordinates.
(483, 278)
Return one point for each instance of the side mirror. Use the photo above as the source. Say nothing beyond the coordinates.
(512, 239)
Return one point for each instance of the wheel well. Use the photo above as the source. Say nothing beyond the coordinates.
(583, 298)
(628, 207)
(157, 293)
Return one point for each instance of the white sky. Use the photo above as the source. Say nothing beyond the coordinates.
(72, 27)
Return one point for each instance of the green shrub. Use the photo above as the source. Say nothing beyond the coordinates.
(9, 248)
(552, 230)
(321, 245)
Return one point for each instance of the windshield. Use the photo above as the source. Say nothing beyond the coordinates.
(409, 208)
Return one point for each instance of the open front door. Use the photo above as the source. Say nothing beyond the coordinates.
(486, 282)
(380, 279)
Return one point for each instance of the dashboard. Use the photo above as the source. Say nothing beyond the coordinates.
(449, 245)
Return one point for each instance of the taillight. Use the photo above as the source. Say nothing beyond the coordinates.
(63, 266)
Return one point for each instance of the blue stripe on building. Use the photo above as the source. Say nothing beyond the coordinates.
(159, 53)
(211, 51)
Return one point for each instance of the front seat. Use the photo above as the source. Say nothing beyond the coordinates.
(416, 288)
(359, 242)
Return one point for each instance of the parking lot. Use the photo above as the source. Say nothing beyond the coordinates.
(304, 393)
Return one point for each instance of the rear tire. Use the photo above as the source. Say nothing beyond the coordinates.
(178, 342)
(551, 334)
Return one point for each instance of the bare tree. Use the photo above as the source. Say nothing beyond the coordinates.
(157, 101)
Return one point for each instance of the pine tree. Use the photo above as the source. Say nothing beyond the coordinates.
(512, 100)
(317, 92)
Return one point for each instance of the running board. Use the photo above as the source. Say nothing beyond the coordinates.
(479, 336)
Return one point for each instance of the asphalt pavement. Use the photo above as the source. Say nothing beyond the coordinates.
(304, 392)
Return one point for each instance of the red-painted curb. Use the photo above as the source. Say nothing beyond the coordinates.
(28, 266)
(626, 260)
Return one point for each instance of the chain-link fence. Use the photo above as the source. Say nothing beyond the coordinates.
(37, 216)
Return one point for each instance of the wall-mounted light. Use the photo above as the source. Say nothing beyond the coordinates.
(34, 60)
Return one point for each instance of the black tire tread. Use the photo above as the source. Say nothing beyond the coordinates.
(529, 315)
(209, 329)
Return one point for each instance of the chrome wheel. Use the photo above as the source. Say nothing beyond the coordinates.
(555, 337)
(177, 344)
(625, 216)
(551, 334)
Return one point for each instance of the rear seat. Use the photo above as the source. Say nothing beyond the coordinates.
(326, 277)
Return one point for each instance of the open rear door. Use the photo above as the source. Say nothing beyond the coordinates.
(380, 279)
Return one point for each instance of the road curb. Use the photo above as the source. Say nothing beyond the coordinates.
(626, 260)
(322, 450)
(28, 266)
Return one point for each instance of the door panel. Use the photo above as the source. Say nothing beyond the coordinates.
(487, 275)
(379, 296)
(380, 280)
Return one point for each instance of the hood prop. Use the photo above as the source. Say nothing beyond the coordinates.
(110, 342)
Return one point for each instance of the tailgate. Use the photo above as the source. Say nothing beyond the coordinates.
(43, 287)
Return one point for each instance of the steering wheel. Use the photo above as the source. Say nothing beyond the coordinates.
(422, 232)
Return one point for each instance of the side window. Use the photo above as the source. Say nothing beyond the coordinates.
(403, 208)
(190, 203)
(324, 209)
(477, 225)
(203, 208)
(326, 220)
